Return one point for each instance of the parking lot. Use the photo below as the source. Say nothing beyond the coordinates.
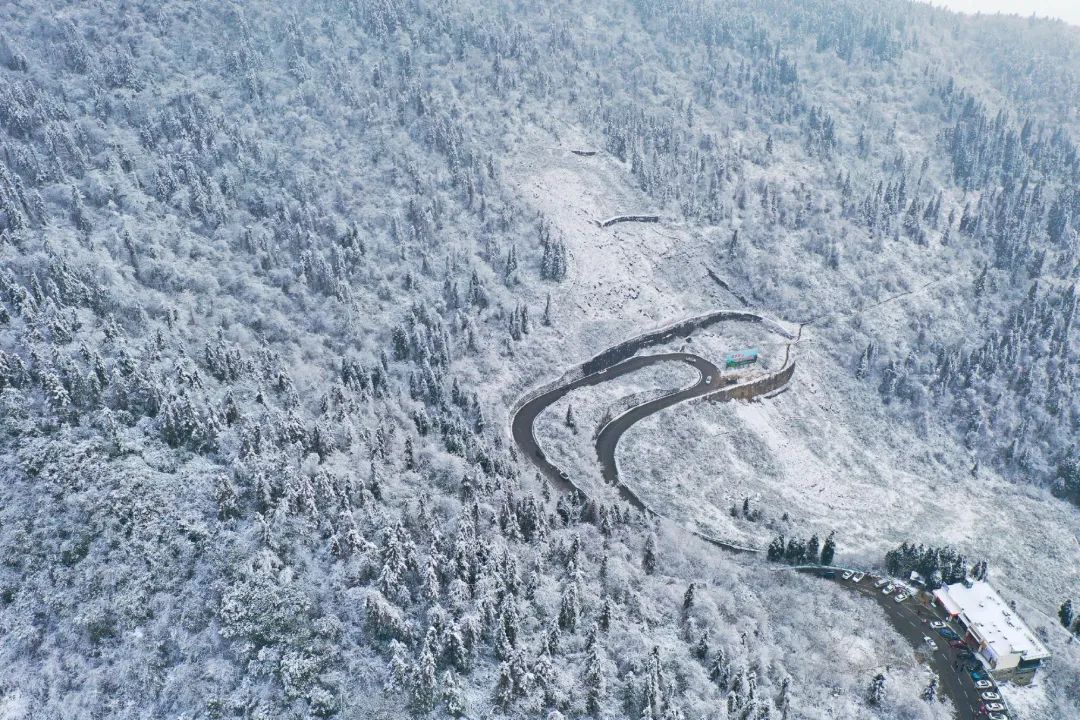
(958, 670)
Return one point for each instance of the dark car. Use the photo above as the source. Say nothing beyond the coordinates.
(948, 633)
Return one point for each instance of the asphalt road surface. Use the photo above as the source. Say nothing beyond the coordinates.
(709, 380)
(524, 419)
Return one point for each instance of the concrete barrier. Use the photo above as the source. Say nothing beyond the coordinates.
(628, 218)
(756, 387)
(628, 348)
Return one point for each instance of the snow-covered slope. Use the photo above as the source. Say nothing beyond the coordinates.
(272, 275)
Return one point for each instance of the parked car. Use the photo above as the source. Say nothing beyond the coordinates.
(563, 474)
(979, 675)
(888, 589)
(881, 583)
(858, 576)
(993, 707)
(829, 574)
(957, 644)
(990, 696)
(937, 624)
(948, 633)
(965, 655)
(997, 716)
(901, 597)
(984, 684)
(930, 642)
(847, 574)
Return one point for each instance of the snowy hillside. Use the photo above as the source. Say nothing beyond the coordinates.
(275, 275)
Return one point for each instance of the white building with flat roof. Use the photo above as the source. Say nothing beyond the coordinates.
(1003, 639)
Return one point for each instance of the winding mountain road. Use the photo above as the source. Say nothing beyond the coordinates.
(622, 360)
(524, 419)
(909, 621)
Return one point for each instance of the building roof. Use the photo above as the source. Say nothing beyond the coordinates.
(985, 612)
(942, 594)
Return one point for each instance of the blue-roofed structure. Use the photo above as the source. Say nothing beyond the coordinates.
(741, 358)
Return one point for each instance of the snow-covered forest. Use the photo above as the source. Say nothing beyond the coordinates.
(273, 275)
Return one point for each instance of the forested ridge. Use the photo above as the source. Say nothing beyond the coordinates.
(264, 275)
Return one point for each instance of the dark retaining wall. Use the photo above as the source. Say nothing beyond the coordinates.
(628, 348)
(629, 218)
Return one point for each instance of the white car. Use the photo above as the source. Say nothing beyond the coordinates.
(708, 380)
(929, 642)
(900, 598)
(998, 716)
(990, 696)
(994, 707)
(888, 589)
(984, 684)
(858, 576)
(847, 574)
(881, 582)
(937, 624)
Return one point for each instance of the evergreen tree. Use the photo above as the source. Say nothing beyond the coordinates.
(876, 694)
(569, 607)
(812, 555)
(930, 692)
(604, 620)
(688, 597)
(701, 648)
(775, 551)
(504, 686)
(828, 550)
(595, 687)
(1066, 614)
(453, 695)
(399, 667)
(783, 700)
(649, 557)
(423, 681)
(720, 672)
(980, 283)
(863, 368)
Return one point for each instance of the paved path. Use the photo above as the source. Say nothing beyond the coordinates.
(522, 426)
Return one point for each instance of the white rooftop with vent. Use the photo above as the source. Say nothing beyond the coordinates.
(1004, 639)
